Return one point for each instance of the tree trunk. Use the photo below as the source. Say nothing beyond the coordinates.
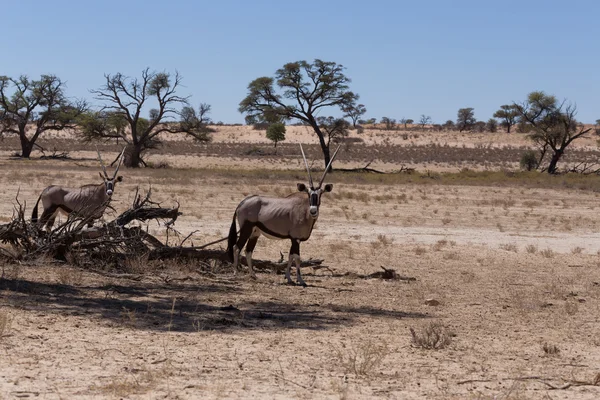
(508, 128)
(324, 147)
(554, 161)
(133, 156)
(26, 146)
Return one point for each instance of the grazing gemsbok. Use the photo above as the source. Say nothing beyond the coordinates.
(292, 217)
(87, 201)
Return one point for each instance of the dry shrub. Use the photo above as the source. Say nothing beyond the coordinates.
(158, 165)
(384, 240)
(548, 253)
(69, 277)
(550, 349)
(362, 359)
(577, 250)
(136, 264)
(509, 247)
(420, 250)
(432, 336)
(451, 256)
(440, 244)
(531, 248)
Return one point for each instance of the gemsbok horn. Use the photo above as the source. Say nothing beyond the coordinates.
(292, 217)
(87, 201)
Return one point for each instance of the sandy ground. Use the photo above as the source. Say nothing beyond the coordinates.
(515, 271)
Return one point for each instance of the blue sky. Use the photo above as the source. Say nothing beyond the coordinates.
(405, 58)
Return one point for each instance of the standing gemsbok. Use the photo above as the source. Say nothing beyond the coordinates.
(87, 201)
(292, 217)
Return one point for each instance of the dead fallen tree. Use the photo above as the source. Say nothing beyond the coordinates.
(368, 169)
(114, 243)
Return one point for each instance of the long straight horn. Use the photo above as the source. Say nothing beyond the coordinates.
(120, 162)
(329, 165)
(307, 168)
(102, 163)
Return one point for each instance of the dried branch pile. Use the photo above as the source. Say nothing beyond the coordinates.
(74, 240)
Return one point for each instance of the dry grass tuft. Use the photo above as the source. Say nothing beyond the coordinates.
(548, 253)
(69, 277)
(531, 248)
(433, 336)
(420, 250)
(362, 359)
(577, 250)
(509, 247)
(384, 240)
(136, 264)
(440, 244)
(129, 317)
(550, 349)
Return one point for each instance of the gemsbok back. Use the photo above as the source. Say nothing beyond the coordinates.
(292, 217)
(87, 201)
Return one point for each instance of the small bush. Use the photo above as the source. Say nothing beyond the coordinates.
(550, 349)
(434, 336)
(548, 253)
(531, 248)
(362, 359)
(529, 161)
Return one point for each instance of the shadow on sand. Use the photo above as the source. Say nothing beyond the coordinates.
(183, 307)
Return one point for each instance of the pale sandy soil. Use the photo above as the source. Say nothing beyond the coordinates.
(413, 136)
(514, 268)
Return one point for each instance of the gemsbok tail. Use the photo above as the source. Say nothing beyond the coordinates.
(34, 215)
(232, 239)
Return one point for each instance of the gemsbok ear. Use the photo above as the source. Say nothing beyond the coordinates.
(329, 187)
(119, 178)
(301, 187)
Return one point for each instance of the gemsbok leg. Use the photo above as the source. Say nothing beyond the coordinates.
(245, 234)
(294, 258)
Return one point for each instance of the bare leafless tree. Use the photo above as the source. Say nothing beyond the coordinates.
(124, 100)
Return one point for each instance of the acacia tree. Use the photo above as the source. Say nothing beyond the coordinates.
(424, 120)
(306, 90)
(37, 104)
(553, 125)
(354, 112)
(390, 123)
(509, 115)
(465, 119)
(125, 98)
(335, 129)
(276, 133)
(406, 121)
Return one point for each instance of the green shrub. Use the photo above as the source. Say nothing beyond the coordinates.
(529, 160)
